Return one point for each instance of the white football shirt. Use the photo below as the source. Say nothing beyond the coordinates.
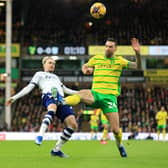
(46, 81)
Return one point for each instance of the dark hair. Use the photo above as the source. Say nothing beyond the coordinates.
(112, 40)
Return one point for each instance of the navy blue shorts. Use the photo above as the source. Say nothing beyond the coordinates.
(48, 99)
(62, 112)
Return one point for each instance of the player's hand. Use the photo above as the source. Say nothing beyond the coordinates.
(87, 70)
(9, 102)
(135, 45)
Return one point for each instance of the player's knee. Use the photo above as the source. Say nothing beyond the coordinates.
(86, 96)
(115, 130)
(75, 126)
(52, 107)
(70, 121)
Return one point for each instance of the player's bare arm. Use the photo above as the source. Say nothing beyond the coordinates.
(87, 70)
(136, 48)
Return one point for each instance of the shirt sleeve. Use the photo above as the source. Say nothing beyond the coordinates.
(124, 62)
(35, 79)
(69, 91)
(24, 91)
(91, 62)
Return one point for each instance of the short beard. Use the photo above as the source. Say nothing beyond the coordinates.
(109, 55)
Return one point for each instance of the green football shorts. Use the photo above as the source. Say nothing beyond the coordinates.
(104, 122)
(106, 102)
(161, 126)
(94, 127)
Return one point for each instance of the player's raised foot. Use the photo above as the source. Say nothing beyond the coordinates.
(38, 140)
(122, 151)
(59, 154)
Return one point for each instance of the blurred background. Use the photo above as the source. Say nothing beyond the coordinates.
(64, 29)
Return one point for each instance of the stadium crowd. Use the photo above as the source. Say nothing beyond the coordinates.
(137, 109)
(147, 20)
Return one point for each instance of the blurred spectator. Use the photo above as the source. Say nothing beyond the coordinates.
(134, 131)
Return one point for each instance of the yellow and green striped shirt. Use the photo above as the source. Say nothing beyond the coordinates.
(107, 72)
(161, 117)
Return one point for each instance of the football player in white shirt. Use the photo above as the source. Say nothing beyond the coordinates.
(52, 96)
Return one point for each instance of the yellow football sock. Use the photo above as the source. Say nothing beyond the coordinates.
(105, 133)
(164, 133)
(72, 100)
(118, 138)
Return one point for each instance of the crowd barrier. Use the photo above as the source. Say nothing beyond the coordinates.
(76, 136)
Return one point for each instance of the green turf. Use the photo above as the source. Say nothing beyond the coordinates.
(84, 154)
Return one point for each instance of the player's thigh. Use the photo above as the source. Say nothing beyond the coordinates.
(86, 96)
(70, 121)
(113, 118)
(52, 107)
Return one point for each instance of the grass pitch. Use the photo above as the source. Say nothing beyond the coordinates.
(84, 154)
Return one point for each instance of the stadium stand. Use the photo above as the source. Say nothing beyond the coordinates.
(57, 26)
(137, 106)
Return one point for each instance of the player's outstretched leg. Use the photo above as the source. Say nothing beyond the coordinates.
(66, 135)
(72, 100)
(45, 123)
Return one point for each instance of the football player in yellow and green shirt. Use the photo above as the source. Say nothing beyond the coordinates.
(161, 118)
(106, 71)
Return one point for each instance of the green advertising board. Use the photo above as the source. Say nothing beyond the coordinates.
(15, 50)
(15, 72)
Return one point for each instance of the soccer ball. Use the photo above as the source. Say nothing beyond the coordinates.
(98, 10)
